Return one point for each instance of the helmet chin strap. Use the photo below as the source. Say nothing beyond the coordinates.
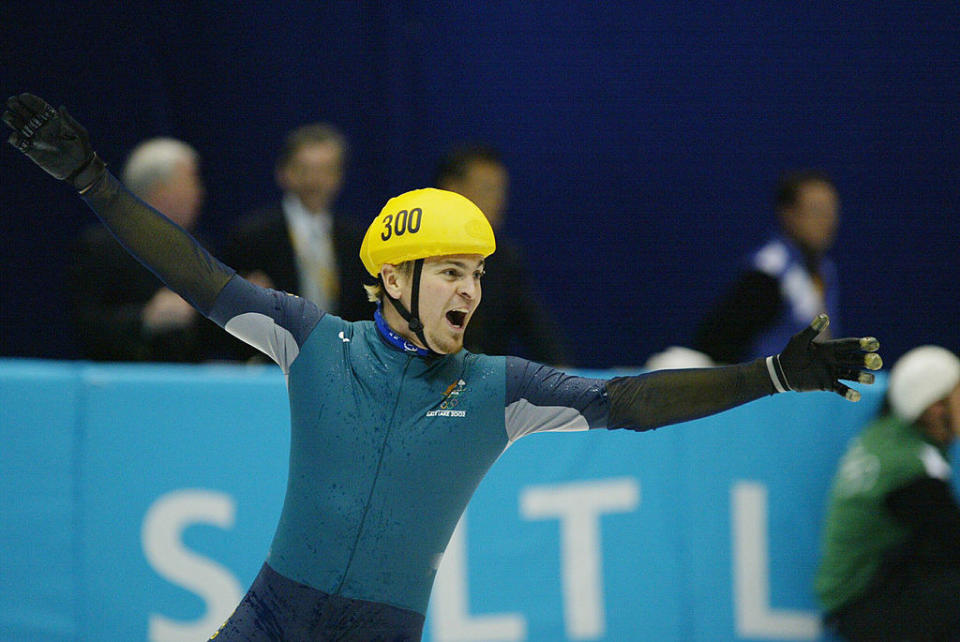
(412, 316)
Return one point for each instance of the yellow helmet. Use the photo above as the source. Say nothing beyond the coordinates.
(424, 223)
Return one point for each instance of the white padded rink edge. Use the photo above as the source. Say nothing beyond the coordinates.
(265, 335)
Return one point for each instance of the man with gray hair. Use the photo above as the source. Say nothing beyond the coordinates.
(122, 311)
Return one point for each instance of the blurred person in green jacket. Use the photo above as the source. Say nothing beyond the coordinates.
(891, 545)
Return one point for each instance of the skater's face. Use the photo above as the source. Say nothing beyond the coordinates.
(449, 295)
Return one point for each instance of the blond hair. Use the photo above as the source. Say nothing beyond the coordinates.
(375, 292)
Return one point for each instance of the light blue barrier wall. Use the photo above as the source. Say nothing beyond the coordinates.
(138, 502)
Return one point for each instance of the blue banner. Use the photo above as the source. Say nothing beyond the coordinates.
(139, 503)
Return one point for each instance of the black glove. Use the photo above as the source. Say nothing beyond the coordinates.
(53, 140)
(806, 364)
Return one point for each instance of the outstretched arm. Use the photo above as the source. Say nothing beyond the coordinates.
(671, 396)
(540, 398)
(271, 321)
(60, 146)
(164, 247)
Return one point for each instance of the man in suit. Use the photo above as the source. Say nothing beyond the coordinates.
(513, 319)
(122, 312)
(300, 245)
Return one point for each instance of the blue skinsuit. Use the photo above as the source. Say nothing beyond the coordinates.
(387, 447)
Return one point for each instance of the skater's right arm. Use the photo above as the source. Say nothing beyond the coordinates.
(60, 146)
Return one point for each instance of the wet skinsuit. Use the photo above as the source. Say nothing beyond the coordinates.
(387, 444)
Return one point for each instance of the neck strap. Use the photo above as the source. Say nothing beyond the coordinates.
(411, 317)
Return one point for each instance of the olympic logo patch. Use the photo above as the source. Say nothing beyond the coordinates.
(451, 397)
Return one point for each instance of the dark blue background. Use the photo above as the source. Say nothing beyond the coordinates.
(643, 138)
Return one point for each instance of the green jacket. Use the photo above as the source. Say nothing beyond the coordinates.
(860, 529)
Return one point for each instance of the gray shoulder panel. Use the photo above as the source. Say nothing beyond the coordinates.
(540, 398)
(274, 322)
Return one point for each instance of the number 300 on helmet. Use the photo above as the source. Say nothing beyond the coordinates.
(424, 223)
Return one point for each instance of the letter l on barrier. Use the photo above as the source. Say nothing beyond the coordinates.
(449, 609)
(751, 578)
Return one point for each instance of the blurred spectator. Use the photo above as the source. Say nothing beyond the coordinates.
(786, 282)
(122, 311)
(301, 245)
(510, 319)
(891, 558)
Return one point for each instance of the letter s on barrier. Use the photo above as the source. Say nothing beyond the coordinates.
(163, 547)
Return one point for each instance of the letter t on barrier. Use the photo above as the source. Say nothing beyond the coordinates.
(578, 506)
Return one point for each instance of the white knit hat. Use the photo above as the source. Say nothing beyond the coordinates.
(920, 378)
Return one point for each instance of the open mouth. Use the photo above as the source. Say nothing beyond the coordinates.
(457, 318)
